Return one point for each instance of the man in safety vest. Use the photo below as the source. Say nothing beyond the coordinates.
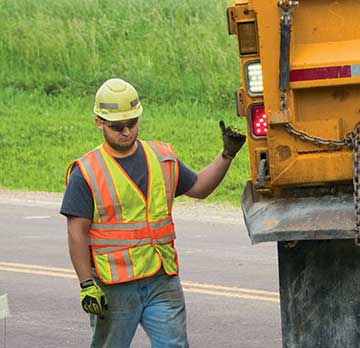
(118, 204)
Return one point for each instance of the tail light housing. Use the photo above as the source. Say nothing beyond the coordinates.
(258, 121)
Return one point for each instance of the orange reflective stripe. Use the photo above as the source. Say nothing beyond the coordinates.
(104, 190)
(118, 235)
(97, 216)
(164, 170)
(110, 185)
(94, 187)
(156, 204)
(131, 226)
(164, 150)
(173, 173)
(101, 185)
(115, 236)
(116, 244)
(163, 232)
(170, 167)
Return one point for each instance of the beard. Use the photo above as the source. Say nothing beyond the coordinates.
(122, 147)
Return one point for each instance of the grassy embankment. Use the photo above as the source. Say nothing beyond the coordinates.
(54, 55)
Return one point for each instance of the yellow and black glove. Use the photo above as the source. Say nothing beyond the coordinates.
(233, 140)
(92, 297)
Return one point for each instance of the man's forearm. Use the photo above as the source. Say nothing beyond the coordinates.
(79, 247)
(210, 177)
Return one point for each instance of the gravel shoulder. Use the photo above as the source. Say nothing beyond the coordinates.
(190, 209)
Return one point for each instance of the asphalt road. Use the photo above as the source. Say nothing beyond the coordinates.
(231, 287)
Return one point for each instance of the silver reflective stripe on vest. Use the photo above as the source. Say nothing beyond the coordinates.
(110, 185)
(118, 227)
(123, 242)
(100, 251)
(113, 267)
(95, 187)
(168, 157)
(128, 264)
(163, 168)
(172, 174)
(162, 223)
(173, 179)
(165, 239)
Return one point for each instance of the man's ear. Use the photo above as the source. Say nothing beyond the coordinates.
(99, 123)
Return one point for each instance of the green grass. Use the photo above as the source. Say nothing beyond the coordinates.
(55, 54)
(170, 50)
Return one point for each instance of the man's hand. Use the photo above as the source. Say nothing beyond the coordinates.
(92, 297)
(233, 140)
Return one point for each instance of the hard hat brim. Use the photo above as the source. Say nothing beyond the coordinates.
(119, 116)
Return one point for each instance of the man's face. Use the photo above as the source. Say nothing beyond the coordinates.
(121, 136)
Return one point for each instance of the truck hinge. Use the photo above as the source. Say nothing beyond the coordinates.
(239, 102)
(231, 20)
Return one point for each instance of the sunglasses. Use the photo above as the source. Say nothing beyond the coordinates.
(120, 126)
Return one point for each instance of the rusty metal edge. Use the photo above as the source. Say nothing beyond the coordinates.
(293, 217)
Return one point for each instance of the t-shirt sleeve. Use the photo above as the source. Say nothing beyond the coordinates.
(78, 200)
(187, 179)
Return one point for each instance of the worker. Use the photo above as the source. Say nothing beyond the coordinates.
(118, 204)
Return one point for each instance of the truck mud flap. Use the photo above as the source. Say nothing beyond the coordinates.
(295, 217)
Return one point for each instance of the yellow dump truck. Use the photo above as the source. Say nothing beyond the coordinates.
(300, 95)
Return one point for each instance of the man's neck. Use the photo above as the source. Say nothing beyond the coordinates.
(120, 154)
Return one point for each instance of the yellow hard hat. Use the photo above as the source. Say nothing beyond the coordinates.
(117, 100)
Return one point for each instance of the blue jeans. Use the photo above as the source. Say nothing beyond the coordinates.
(157, 303)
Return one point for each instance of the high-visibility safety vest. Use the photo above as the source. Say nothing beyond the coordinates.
(131, 236)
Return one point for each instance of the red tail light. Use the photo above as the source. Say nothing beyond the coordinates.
(258, 121)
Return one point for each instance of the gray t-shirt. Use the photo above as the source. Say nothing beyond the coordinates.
(78, 200)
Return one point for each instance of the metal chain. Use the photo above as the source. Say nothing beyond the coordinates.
(316, 140)
(351, 140)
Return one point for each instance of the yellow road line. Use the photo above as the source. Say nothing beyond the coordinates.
(226, 294)
(33, 271)
(27, 265)
(199, 288)
(228, 288)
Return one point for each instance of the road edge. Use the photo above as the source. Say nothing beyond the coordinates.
(186, 209)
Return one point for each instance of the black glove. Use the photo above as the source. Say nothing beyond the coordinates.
(233, 140)
(92, 297)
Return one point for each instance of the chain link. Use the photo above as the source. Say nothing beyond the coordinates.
(351, 140)
(316, 140)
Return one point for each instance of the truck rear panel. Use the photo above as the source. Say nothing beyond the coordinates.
(324, 88)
